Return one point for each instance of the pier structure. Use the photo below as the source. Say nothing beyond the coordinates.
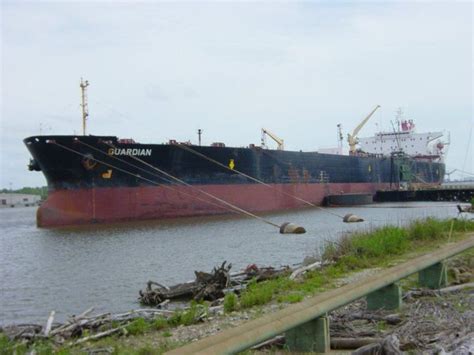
(460, 193)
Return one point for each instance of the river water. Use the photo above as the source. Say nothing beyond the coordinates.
(69, 270)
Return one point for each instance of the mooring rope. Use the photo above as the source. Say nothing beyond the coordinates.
(202, 191)
(143, 178)
(185, 147)
(157, 176)
(232, 206)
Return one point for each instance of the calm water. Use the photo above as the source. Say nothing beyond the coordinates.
(70, 270)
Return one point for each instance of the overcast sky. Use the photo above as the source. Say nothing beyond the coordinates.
(159, 71)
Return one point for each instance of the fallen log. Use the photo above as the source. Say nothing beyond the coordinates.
(388, 345)
(352, 343)
(279, 341)
(441, 291)
(208, 286)
(392, 319)
(98, 335)
(302, 270)
(49, 323)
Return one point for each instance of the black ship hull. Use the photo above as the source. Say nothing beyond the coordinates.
(101, 179)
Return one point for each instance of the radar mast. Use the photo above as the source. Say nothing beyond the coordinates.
(84, 105)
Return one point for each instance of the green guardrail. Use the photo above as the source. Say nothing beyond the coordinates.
(305, 323)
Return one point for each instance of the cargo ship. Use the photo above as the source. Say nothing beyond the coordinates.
(103, 179)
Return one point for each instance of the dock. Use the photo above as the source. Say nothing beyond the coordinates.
(457, 193)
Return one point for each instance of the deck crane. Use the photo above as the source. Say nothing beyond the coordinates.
(352, 138)
(279, 141)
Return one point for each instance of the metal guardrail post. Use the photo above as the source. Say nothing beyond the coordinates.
(389, 297)
(312, 336)
(433, 277)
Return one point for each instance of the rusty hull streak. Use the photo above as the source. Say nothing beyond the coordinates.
(251, 333)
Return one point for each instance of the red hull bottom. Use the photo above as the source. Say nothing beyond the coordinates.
(104, 205)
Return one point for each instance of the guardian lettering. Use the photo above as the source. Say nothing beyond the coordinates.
(133, 152)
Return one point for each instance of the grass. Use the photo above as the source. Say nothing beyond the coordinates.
(291, 298)
(194, 314)
(366, 249)
(381, 326)
(262, 293)
(376, 248)
(160, 323)
(230, 302)
(138, 326)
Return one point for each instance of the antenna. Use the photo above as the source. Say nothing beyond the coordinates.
(84, 105)
(396, 135)
(399, 118)
(340, 137)
(199, 135)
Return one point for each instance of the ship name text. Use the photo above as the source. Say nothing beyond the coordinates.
(130, 151)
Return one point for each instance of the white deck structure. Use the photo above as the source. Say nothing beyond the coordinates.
(421, 145)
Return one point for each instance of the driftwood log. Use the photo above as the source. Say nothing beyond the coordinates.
(99, 326)
(208, 286)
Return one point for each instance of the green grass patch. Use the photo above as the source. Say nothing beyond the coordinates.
(354, 252)
(427, 229)
(167, 334)
(313, 281)
(230, 302)
(146, 350)
(6, 346)
(263, 292)
(381, 326)
(257, 295)
(194, 314)
(366, 249)
(138, 326)
(160, 323)
(290, 298)
(381, 242)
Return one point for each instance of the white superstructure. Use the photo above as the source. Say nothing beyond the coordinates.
(429, 146)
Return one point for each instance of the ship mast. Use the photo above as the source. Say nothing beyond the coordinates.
(199, 135)
(340, 138)
(85, 107)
